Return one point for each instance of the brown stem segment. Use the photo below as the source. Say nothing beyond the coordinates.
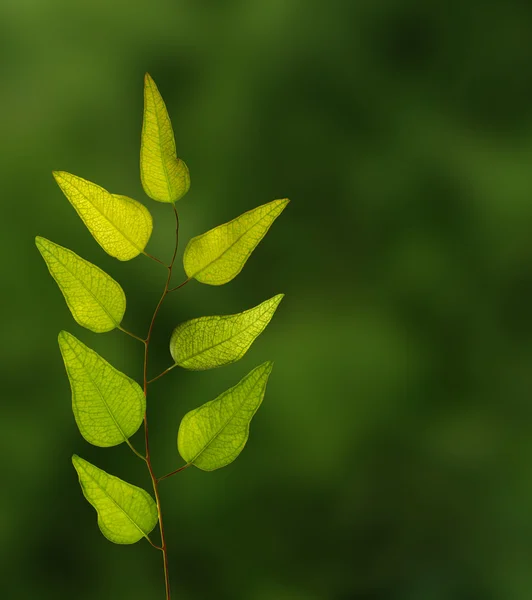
(174, 472)
(146, 434)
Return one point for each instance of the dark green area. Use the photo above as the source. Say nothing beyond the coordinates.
(391, 459)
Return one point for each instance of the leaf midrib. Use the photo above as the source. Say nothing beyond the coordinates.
(159, 144)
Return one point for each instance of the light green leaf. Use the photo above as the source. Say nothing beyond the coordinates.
(108, 405)
(217, 256)
(95, 299)
(164, 176)
(214, 434)
(126, 513)
(120, 225)
(210, 342)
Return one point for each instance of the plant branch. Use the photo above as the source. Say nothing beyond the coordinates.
(154, 258)
(179, 286)
(174, 472)
(163, 373)
(135, 451)
(136, 337)
(154, 545)
(146, 433)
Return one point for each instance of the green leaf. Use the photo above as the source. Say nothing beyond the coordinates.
(108, 405)
(217, 256)
(126, 513)
(95, 299)
(120, 225)
(210, 342)
(164, 176)
(214, 434)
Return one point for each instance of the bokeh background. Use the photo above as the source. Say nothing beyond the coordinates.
(392, 457)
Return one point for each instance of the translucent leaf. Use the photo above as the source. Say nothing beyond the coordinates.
(214, 434)
(95, 299)
(108, 406)
(126, 513)
(120, 225)
(210, 342)
(217, 256)
(164, 176)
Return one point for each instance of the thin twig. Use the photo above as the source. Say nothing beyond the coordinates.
(154, 545)
(174, 472)
(135, 451)
(131, 334)
(154, 258)
(163, 373)
(179, 286)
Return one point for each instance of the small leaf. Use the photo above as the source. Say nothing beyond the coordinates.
(210, 342)
(126, 513)
(95, 299)
(108, 406)
(217, 256)
(120, 225)
(214, 434)
(164, 176)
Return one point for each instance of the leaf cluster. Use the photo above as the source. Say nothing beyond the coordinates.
(109, 407)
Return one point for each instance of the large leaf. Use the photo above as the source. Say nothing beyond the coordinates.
(108, 406)
(210, 342)
(95, 299)
(214, 434)
(126, 513)
(120, 225)
(217, 256)
(164, 176)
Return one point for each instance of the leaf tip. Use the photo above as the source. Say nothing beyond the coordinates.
(63, 336)
(40, 242)
(267, 366)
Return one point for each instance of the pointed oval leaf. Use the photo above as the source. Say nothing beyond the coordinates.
(214, 434)
(122, 226)
(210, 342)
(126, 513)
(217, 256)
(95, 299)
(164, 176)
(108, 406)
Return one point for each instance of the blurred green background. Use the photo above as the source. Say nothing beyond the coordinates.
(392, 457)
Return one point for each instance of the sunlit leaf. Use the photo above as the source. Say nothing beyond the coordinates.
(217, 256)
(164, 176)
(95, 299)
(126, 513)
(210, 342)
(120, 225)
(214, 434)
(108, 406)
